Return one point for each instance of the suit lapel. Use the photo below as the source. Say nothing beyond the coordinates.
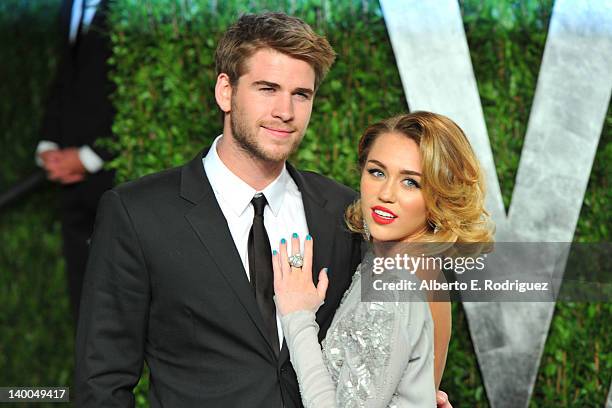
(209, 223)
(100, 19)
(321, 223)
(322, 226)
(65, 17)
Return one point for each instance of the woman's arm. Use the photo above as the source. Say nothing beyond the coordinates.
(417, 386)
(297, 300)
(316, 386)
(441, 315)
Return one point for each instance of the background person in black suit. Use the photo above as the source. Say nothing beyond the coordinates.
(78, 113)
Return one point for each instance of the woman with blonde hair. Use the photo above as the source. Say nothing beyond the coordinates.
(420, 184)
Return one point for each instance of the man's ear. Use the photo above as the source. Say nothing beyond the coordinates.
(223, 92)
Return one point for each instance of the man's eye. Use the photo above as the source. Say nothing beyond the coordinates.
(303, 95)
(266, 89)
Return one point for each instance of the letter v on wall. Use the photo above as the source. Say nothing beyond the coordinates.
(566, 120)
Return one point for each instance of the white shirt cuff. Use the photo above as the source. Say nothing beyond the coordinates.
(44, 146)
(90, 159)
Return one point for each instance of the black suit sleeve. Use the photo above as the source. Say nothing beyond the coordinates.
(103, 152)
(50, 129)
(114, 311)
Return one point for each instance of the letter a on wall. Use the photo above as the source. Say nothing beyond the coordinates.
(566, 120)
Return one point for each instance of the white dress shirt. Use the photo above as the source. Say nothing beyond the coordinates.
(283, 215)
(88, 157)
(82, 14)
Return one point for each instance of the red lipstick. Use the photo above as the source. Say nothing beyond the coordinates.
(382, 215)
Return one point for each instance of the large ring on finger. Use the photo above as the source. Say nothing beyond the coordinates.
(296, 261)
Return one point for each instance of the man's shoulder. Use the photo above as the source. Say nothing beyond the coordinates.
(152, 187)
(328, 186)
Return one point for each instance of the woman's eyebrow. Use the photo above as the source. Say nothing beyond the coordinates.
(406, 171)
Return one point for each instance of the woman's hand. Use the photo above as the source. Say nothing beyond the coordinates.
(293, 286)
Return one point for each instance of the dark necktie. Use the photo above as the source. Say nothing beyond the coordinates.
(260, 270)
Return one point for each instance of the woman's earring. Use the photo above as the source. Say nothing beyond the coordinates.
(366, 230)
(433, 226)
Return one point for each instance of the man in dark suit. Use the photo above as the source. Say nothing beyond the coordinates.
(177, 272)
(78, 113)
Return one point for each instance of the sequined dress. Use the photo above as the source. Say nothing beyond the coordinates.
(375, 354)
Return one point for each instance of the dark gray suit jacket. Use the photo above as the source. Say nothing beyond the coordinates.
(165, 284)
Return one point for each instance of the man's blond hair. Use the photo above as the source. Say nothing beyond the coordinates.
(277, 31)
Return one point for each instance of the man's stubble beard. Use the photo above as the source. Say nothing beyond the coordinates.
(248, 142)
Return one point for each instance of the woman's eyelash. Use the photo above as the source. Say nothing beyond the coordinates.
(413, 182)
(409, 182)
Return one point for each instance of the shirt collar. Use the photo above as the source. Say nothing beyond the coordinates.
(234, 191)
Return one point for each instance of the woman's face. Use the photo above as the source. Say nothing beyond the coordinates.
(391, 198)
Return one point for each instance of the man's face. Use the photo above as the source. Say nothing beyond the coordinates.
(271, 105)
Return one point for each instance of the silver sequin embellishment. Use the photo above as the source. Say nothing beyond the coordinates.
(361, 341)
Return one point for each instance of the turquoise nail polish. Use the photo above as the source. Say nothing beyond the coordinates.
(274, 252)
(283, 241)
(308, 237)
(295, 235)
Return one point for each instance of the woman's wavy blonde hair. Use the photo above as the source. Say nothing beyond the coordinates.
(452, 182)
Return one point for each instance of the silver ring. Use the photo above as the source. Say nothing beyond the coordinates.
(296, 261)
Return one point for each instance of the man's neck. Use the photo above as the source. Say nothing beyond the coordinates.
(253, 171)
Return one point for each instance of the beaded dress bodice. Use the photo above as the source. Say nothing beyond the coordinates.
(361, 338)
(371, 356)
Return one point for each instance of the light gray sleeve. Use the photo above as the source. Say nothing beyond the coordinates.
(316, 386)
(417, 385)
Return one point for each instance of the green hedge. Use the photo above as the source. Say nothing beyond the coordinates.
(164, 71)
(36, 334)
